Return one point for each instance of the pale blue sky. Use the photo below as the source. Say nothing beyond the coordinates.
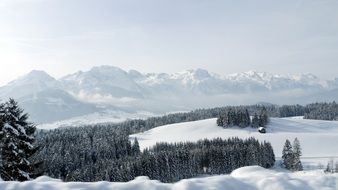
(63, 36)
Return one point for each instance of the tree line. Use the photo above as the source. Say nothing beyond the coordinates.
(140, 125)
(241, 117)
(322, 111)
(101, 157)
(170, 162)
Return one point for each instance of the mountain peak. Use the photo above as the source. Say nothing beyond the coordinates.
(101, 80)
(33, 82)
(135, 74)
(38, 74)
(198, 74)
(107, 69)
(33, 77)
(306, 76)
(201, 73)
(252, 75)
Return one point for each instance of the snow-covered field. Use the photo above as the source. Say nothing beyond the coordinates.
(246, 178)
(319, 139)
(96, 118)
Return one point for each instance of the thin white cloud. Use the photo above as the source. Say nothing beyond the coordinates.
(8, 3)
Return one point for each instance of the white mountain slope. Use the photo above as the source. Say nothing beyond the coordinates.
(318, 138)
(31, 83)
(102, 81)
(252, 81)
(43, 98)
(107, 86)
(54, 104)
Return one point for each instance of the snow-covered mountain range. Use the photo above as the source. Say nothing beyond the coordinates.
(111, 88)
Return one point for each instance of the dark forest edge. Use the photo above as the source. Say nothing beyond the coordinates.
(119, 159)
(318, 111)
(240, 117)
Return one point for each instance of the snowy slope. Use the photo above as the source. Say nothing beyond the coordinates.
(246, 178)
(96, 118)
(318, 138)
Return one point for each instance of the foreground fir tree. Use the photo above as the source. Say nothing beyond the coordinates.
(297, 152)
(17, 138)
(287, 155)
(291, 156)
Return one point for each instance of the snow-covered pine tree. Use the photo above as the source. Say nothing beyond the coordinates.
(255, 121)
(247, 118)
(219, 121)
(241, 118)
(330, 166)
(17, 143)
(2, 113)
(263, 117)
(287, 155)
(135, 148)
(297, 152)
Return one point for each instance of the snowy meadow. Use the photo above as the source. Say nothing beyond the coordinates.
(246, 178)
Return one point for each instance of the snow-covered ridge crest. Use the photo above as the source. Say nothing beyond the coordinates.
(109, 80)
(106, 86)
(191, 76)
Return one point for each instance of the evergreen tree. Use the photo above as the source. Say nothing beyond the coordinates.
(297, 152)
(263, 117)
(255, 121)
(219, 121)
(330, 166)
(287, 155)
(17, 143)
(231, 118)
(135, 148)
(247, 118)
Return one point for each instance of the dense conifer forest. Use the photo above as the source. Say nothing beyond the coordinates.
(100, 153)
(322, 111)
(241, 117)
(105, 152)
